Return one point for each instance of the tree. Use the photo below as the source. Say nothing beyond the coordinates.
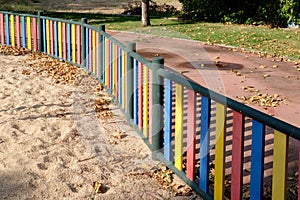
(145, 13)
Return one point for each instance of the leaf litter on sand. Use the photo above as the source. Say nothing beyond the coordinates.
(15, 51)
(61, 72)
(102, 102)
(166, 178)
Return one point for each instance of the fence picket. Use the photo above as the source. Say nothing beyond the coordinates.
(69, 36)
(168, 120)
(64, 41)
(135, 92)
(79, 43)
(220, 152)
(257, 160)
(178, 127)
(7, 33)
(12, 30)
(120, 76)
(2, 29)
(279, 181)
(29, 32)
(55, 40)
(237, 155)
(23, 25)
(94, 53)
(191, 136)
(146, 102)
(124, 69)
(73, 32)
(204, 143)
(46, 38)
(18, 31)
(140, 96)
(34, 34)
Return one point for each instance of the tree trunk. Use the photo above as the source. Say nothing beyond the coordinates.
(145, 13)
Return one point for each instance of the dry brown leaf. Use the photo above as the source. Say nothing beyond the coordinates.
(99, 187)
(238, 74)
(26, 72)
(262, 66)
(118, 135)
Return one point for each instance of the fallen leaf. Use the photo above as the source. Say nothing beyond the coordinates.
(26, 72)
(118, 135)
(99, 187)
(262, 66)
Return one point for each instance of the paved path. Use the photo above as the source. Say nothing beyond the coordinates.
(235, 70)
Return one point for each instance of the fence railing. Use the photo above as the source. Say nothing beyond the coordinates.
(215, 144)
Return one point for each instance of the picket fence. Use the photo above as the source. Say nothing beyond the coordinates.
(209, 140)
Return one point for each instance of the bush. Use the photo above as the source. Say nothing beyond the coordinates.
(274, 12)
(206, 10)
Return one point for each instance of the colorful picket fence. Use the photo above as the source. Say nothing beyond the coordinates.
(204, 137)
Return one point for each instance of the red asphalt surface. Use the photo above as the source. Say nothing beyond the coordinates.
(196, 61)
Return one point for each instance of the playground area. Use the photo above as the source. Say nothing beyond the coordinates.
(62, 134)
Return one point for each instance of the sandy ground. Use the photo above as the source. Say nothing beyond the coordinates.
(54, 145)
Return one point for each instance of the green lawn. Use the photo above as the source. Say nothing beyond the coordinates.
(276, 42)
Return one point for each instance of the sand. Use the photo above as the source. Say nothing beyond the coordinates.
(54, 145)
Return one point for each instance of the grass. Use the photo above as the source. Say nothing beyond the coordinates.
(275, 42)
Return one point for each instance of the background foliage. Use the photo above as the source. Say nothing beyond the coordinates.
(274, 12)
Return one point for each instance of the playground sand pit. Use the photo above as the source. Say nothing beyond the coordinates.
(61, 137)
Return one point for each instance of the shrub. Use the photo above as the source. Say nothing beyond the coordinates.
(274, 12)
